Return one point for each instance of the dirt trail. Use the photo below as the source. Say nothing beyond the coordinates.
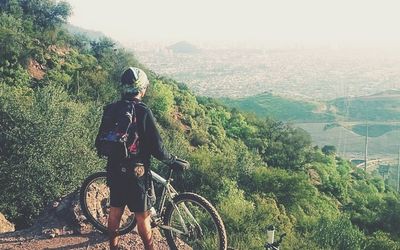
(62, 226)
(91, 240)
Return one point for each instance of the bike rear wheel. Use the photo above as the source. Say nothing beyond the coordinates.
(191, 222)
(95, 204)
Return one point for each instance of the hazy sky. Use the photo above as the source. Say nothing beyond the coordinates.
(292, 21)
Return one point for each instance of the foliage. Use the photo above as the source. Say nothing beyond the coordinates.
(247, 218)
(13, 42)
(290, 189)
(281, 145)
(41, 134)
(43, 13)
(381, 240)
(338, 234)
(333, 178)
(161, 99)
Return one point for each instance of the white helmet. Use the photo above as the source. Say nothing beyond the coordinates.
(134, 80)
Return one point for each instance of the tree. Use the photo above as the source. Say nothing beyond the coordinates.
(161, 100)
(102, 47)
(281, 145)
(13, 44)
(329, 150)
(290, 189)
(46, 13)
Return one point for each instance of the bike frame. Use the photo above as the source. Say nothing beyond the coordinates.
(169, 193)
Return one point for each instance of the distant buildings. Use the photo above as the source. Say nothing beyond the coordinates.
(308, 74)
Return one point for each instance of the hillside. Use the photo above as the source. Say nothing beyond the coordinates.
(382, 110)
(279, 108)
(256, 172)
(380, 107)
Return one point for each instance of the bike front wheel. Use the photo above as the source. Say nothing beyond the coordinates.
(95, 204)
(191, 222)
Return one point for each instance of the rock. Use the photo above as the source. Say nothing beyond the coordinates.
(52, 232)
(35, 69)
(55, 204)
(314, 177)
(5, 225)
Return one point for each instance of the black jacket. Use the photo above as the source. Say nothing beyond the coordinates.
(150, 142)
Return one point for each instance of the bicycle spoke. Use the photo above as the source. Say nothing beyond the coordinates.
(97, 203)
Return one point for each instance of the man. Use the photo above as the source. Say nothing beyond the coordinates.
(129, 178)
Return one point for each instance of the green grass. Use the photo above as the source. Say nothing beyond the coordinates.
(374, 130)
(379, 107)
(268, 105)
(348, 142)
(382, 107)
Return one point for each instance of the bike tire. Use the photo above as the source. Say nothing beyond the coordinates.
(191, 199)
(98, 224)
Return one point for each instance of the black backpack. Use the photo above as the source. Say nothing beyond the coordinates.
(117, 136)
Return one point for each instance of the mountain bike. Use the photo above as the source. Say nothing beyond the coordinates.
(187, 220)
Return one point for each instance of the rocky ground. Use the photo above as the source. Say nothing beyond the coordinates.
(89, 240)
(62, 226)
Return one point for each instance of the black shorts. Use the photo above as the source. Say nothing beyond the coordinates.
(128, 190)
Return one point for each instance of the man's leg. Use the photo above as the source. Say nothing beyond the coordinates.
(144, 228)
(113, 225)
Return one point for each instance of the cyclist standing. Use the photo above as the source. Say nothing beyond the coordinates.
(129, 177)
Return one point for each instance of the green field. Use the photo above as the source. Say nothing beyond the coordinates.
(374, 130)
(381, 107)
(342, 122)
(268, 105)
(351, 144)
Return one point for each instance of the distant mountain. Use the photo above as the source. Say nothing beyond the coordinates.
(183, 47)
